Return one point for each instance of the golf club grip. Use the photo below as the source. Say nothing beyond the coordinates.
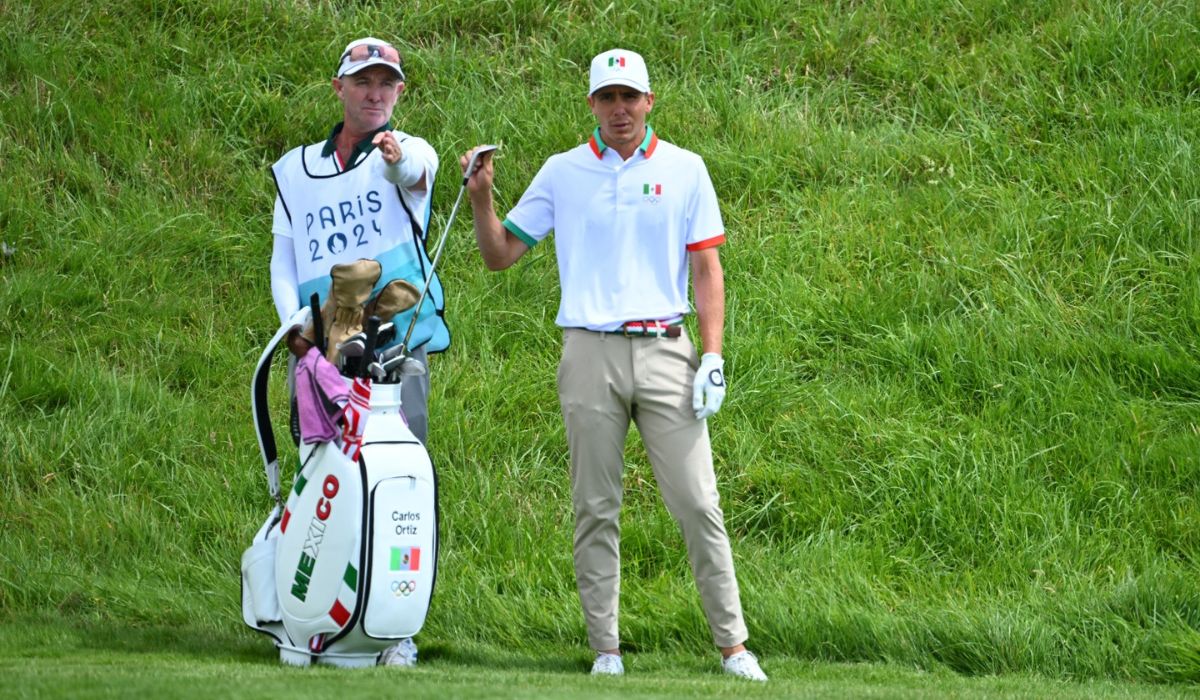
(318, 325)
(369, 348)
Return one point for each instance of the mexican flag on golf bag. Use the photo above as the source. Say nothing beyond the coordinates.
(346, 566)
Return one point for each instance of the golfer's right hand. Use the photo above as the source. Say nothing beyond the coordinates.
(479, 181)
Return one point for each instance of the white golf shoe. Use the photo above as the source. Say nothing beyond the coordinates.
(608, 665)
(403, 654)
(744, 665)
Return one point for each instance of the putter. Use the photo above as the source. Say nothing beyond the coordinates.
(470, 170)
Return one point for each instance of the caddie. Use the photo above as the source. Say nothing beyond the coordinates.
(631, 214)
(358, 203)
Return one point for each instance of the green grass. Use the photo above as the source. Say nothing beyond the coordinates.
(962, 439)
(45, 658)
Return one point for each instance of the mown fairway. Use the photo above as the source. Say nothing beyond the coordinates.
(962, 439)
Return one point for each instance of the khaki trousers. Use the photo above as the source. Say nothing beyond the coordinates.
(604, 381)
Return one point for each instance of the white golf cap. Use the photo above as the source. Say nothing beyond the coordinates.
(362, 53)
(619, 67)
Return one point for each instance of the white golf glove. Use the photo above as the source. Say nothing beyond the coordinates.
(708, 388)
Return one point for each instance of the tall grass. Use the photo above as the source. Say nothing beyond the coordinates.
(963, 310)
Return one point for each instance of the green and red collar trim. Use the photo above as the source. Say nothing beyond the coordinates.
(361, 149)
(647, 146)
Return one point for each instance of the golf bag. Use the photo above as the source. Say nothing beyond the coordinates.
(346, 567)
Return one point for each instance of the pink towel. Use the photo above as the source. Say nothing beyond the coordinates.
(321, 397)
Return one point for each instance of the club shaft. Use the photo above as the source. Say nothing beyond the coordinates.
(437, 254)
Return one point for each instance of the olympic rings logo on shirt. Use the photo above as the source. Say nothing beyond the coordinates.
(403, 588)
(651, 199)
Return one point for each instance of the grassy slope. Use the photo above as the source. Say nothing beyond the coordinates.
(963, 303)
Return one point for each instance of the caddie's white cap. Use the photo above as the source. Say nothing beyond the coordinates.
(619, 67)
(369, 51)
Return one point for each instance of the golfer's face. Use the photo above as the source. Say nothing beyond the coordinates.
(621, 112)
(368, 97)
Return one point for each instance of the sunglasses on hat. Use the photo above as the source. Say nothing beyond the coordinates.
(364, 52)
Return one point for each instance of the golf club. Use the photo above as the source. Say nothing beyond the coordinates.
(355, 344)
(318, 325)
(378, 367)
(393, 364)
(369, 348)
(387, 366)
(470, 170)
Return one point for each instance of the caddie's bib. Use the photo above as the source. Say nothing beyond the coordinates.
(355, 214)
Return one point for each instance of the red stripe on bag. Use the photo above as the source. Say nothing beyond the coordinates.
(354, 420)
(339, 614)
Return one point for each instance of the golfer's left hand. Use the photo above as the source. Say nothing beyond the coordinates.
(708, 388)
(388, 146)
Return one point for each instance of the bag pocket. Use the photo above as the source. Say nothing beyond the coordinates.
(259, 598)
(403, 557)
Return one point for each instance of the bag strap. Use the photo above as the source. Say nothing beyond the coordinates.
(258, 401)
(417, 230)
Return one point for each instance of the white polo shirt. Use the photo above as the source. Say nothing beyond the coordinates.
(622, 228)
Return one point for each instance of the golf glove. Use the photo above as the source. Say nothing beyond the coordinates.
(708, 389)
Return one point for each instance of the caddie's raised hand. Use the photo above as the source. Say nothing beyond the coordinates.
(388, 146)
(708, 388)
(480, 180)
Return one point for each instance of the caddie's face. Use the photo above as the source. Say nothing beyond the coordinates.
(368, 97)
(621, 113)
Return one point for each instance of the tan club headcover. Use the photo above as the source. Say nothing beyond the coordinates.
(343, 310)
(396, 296)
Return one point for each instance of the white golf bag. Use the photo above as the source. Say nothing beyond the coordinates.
(346, 567)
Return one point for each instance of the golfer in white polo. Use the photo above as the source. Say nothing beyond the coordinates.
(631, 214)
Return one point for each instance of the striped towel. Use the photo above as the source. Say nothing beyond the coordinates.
(354, 420)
